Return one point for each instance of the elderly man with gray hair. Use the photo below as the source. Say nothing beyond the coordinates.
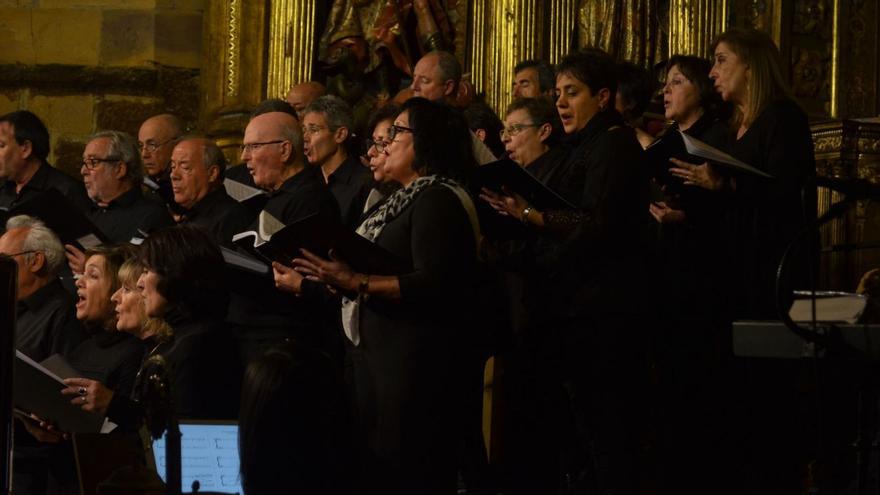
(112, 172)
(197, 170)
(327, 135)
(46, 322)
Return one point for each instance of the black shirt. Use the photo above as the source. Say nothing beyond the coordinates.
(46, 177)
(46, 323)
(300, 196)
(110, 357)
(350, 185)
(130, 212)
(220, 215)
(256, 303)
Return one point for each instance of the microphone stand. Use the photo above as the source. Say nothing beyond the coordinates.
(832, 341)
(160, 417)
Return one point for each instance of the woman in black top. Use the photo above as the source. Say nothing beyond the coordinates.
(107, 356)
(183, 283)
(769, 131)
(412, 328)
(694, 323)
(590, 347)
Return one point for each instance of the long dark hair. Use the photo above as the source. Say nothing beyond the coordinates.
(441, 139)
(290, 404)
(191, 270)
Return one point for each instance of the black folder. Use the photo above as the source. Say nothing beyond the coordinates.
(64, 218)
(508, 174)
(676, 144)
(37, 390)
(319, 235)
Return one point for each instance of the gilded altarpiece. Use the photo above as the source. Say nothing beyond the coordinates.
(829, 50)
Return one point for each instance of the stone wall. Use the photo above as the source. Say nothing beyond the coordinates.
(88, 65)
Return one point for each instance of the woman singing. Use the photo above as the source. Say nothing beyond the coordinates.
(412, 328)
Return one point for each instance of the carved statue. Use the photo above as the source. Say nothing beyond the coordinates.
(369, 46)
(626, 29)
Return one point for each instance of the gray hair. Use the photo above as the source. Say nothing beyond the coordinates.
(211, 154)
(448, 65)
(335, 110)
(124, 147)
(39, 238)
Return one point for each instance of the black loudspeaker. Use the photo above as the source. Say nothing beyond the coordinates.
(8, 288)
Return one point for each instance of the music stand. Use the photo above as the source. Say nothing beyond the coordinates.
(831, 340)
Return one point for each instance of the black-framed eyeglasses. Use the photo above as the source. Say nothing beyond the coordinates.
(516, 129)
(379, 144)
(395, 129)
(251, 147)
(92, 163)
(152, 147)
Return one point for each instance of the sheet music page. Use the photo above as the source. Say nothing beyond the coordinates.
(698, 148)
(268, 225)
(240, 192)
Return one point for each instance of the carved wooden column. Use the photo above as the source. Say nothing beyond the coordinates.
(234, 72)
(503, 33)
(292, 36)
(694, 24)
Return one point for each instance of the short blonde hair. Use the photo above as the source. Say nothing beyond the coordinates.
(129, 273)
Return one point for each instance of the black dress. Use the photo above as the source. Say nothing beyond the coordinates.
(767, 213)
(765, 216)
(590, 345)
(407, 374)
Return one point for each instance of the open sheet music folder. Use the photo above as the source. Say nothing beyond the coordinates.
(508, 174)
(37, 390)
(319, 235)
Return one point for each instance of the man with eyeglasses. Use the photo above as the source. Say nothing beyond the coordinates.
(112, 173)
(327, 131)
(272, 150)
(155, 141)
(24, 171)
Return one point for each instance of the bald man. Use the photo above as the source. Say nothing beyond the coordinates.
(155, 141)
(437, 77)
(272, 149)
(301, 95)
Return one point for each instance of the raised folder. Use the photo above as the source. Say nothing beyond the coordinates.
(37, 390)
(676, 144)
(508, 174)
(319, 235)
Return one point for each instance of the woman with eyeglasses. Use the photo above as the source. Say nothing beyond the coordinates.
(410, 329)
(589, 343)
(379, 128)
